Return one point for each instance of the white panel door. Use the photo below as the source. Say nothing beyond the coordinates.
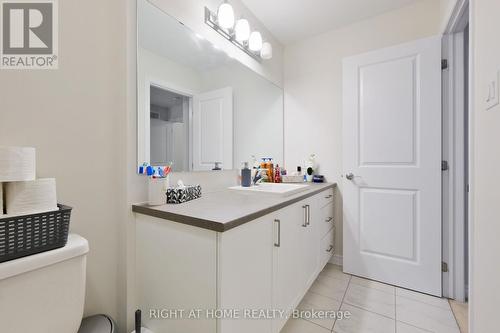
(392, 165)
(213, 129)
(159, 135)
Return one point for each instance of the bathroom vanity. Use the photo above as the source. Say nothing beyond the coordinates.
(232, 251)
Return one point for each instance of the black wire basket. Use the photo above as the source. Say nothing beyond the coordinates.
(25, 235)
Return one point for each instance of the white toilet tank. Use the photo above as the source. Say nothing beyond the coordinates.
(45, 292)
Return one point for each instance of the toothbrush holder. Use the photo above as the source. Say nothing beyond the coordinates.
(157, 189)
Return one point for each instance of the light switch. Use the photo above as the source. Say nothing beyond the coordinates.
(493, 92)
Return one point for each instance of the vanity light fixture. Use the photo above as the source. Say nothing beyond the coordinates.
(267, 51)
(240, 33)
(225, 16)
(255, 41)
(242, 30)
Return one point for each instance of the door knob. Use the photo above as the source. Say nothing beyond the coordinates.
(349, 176)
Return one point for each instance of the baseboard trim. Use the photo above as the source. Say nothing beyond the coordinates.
(336, 259)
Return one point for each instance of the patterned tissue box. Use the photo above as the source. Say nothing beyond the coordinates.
(178, 195)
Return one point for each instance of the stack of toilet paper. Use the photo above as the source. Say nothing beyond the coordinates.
(20, 192)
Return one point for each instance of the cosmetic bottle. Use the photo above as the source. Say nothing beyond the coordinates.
(277, 174)
(270, 170)
(246, 175)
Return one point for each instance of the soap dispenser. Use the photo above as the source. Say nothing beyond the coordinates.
(246, 175)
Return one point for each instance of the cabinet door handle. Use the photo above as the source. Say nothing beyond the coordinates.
(329, 196)
(329, 219)
(308, 214)
(278, 243)
(330, 248)
(305, 216)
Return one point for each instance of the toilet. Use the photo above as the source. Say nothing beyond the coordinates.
(45, 292)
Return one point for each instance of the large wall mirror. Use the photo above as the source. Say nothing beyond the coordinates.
(198, 107)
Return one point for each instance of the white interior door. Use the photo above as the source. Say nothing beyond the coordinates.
(213, 129)
(160, 150)
(392, 165)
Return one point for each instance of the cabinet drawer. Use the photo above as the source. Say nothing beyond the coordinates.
(326, 197)
(326, 221)
(326, 248)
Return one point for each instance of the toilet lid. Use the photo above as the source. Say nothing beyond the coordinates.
(97, 324)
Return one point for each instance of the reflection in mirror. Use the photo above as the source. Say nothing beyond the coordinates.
(198, 107)
(169, 128)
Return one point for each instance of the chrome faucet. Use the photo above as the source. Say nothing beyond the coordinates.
(257, 179)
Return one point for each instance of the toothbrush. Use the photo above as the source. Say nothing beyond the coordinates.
(142, 168)
(168, 169)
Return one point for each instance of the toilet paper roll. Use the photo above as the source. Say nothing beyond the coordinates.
(17, 164)
(30, 197)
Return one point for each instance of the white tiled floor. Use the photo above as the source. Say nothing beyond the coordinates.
(374, 307)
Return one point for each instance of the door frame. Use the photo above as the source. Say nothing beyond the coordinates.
(455, 213)
(143, 126)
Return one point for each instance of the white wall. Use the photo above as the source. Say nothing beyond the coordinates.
(75, 118)
(485, 270)
(313, 83)
(154, 66)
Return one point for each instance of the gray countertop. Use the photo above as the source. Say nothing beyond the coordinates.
(226, 209)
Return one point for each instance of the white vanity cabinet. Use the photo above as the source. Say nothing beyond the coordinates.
(245, 270)
(326, 226)
(265, 264)
(289, 275)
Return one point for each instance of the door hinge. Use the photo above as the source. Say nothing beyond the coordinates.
(444, 165)
(444, 267)
(444, 64)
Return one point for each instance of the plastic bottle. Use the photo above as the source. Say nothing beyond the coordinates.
(246, 175)
(270, 170)
(277, 174)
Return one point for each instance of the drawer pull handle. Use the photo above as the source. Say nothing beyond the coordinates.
(328, 220)
(329, 196)
(305, 216)
(308, 208)
(278, 243)
(330, 249)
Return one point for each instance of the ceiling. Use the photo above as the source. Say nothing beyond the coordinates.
(293, 20)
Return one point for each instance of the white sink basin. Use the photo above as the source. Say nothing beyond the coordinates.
(273, 188)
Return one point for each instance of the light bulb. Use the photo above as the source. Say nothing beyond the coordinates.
(225, 16)
(267, 51)
(255, 41)
(242, 30)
